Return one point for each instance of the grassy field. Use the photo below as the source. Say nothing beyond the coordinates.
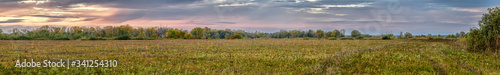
(259, 56)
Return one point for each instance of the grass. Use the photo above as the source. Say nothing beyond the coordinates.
(259, 56)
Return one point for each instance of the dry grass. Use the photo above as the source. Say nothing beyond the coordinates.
(260, 56)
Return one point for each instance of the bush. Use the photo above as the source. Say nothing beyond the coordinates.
(386, 38)
(236, 36)
(332, 38)
(360, 38)
(61, 38)
(135, 38)
(22, 38)
(76, 36)
(96, 38)
(123, 37)
(4, 37)
(486, 38)
(346, 38)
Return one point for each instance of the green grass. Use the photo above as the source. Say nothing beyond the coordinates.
(260, 56)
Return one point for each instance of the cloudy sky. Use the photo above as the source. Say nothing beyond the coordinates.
(368, 16)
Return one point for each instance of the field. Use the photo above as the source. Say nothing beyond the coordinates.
(252, 56)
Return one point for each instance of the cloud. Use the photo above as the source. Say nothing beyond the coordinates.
(267, 15)
(12, 21)
(227, 22)
(237, 4)
(54, 20)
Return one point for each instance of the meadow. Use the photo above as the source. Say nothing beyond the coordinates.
(252, 56)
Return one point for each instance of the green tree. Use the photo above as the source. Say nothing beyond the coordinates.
(486, 38)
(319, 33)
(355, 33)
(343, 32)
(236, 36)
(408, 35)
(197, 32)
(295, 33)
(336, 33)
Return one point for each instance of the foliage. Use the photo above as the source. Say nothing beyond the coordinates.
(486, 38)
(319, 33)
(112, 32)
(123, 37)
(332, 38)
(408, 35)
(360, 38)
(236, 36)
(22, 37)
(386, 37)
(355, 33)
(346, 38)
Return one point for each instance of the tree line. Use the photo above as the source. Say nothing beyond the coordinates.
(127, 32)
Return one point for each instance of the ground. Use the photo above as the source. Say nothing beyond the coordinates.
(251, 56)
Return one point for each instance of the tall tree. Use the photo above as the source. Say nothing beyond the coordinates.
(197, 32)
(319, 33)
(486, 38)
(408, 35)
(336, 33)
(343, 32)
(355, 33)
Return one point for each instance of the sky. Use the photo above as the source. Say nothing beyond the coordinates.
(367, 16)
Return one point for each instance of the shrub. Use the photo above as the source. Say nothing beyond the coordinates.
(386, 38)
(236, 36)
(4, 38)
(123, 37)
(360, 38)
(486, 38)
(346, 38)
(136, 38)
(76, 36)
(61, 38)
(96, 38)
(22, 38)
(332, 38)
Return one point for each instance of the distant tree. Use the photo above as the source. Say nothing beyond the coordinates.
(355, 33)
(462, 33)
(343, 32)
(294, 33)
(189, 36)
(408, 35)
(197, 32)
(400, 34)
(336, 33)
(125, 30)
(387, 36)
(236, 36)
(328, 34)
(310, 33)
(319, 33)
